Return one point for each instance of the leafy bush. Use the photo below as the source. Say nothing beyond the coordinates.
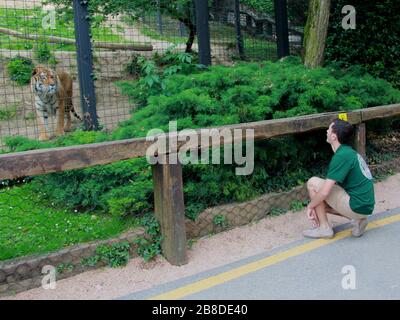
(20, 70)
(134, 66)
(153, 73)
(373, 44)
(149, 246)
(43, 54)
(8, 112)
(115, 255)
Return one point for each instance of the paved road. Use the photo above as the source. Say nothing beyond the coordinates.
(341, 268)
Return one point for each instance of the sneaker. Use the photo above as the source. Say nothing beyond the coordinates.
(319, 232)
(359, 227)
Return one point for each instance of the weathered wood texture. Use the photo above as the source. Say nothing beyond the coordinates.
(43, 161)
(360, 139)
(169, 210)
(391, 110)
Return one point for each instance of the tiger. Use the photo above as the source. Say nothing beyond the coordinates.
(53, 96)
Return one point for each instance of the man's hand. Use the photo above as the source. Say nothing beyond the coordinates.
(312, 215)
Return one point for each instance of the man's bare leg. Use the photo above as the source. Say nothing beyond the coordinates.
(321, 212)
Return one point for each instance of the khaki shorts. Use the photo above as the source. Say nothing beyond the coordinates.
(338, 198)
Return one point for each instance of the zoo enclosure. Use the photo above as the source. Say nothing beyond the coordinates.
(167, 178)
(98, 55)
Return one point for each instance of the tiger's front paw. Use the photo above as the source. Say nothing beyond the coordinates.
(60, 132)
(43, 137)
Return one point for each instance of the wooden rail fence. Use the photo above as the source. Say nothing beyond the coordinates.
(167, 178)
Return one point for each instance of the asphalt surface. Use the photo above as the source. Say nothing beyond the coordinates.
(342, 268)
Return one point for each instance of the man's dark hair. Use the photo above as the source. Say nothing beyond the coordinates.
(343, 130)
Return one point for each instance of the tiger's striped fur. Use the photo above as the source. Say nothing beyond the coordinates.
(53, 96)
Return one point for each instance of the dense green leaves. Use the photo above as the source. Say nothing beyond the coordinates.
(375, 42)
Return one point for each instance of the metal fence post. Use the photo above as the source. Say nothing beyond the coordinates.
(159, 18)
(240, 46)
(85, 64)
(282, 32)
(203, 32)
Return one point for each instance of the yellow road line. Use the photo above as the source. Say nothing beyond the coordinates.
(265, 262)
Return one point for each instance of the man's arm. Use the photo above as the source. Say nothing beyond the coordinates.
(322, 194)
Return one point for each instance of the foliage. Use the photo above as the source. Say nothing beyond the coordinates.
(134, 66)
(8, 112)
(277, 212)
(154, 72)
(149, 246)
(264, 6)
(65, 267)
(43, 54)
(220, 220)
(298, 205)
(115, 255)
(20, 69)
(296, 9)
(373, 44)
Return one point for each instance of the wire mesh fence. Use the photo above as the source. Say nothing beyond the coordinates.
(240, 33)
(44, 33)
(33, 34)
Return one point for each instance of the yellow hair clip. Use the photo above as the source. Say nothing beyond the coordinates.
(343, 116)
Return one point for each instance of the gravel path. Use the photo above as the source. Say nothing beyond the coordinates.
(206, 253)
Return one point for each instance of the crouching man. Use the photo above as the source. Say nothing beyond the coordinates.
(348, 189)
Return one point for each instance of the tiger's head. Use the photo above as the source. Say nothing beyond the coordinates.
(44, 81)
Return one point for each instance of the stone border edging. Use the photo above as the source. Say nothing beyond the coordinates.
(25, 273)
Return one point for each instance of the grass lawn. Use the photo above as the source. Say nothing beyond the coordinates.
(29, 21)
(28, 226)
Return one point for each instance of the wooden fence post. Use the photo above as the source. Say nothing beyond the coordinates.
(169, 210)
(360, 139)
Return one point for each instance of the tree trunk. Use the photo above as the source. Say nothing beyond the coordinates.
(192, 34)
(315, 32)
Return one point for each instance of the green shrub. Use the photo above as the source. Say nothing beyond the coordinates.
(20, 70)
(373, 44)
(43, 54)
(134, 66)
(220, 221)
(149, 246)
(8, 112)
(115, 255)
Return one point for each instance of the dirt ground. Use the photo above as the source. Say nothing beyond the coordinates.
(206, 253)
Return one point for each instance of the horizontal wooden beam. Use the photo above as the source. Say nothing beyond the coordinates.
(380, 112)
(29, 163)
(36, 162)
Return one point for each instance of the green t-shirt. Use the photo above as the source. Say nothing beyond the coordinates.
(349, 170)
